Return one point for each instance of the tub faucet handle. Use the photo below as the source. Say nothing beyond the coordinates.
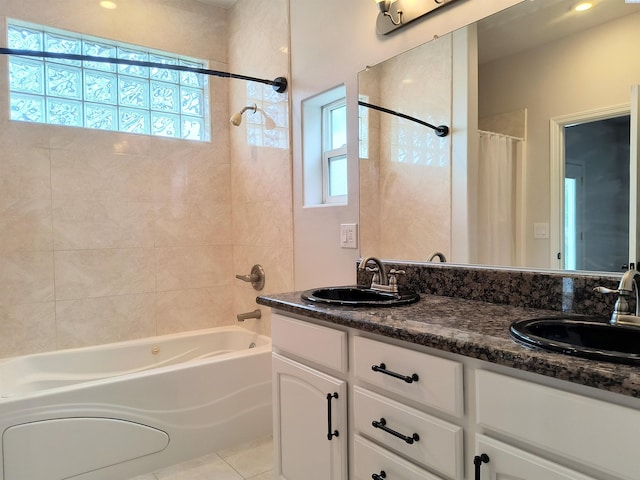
(255, 278)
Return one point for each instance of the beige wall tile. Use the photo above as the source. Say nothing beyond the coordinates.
(185, 223)
(90, 141)
(81, 176)
(100, 273)
(96, 321)
(28, 328)
(193, 267)
(25, 172)
(263, 176)
(196, 180)
(26, 277)
(94, 223)
(191, 28)
(15, 137)
(25, 224)
(136, 230)
(263, 224)
(180, 310)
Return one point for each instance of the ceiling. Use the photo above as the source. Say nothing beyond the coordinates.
(532, 23)
(219, 3)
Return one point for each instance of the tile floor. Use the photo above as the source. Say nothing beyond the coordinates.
(251, 461)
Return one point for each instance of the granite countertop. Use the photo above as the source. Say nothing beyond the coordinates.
(471, 328)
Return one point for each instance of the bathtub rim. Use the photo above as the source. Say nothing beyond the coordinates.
(259, 349)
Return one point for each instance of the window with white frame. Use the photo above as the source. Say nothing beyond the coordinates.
(324, 154)
(334, 152)
(105, 96)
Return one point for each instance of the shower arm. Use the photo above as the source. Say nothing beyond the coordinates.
(279, 84)
(441, 130)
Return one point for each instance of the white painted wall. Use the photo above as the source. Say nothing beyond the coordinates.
(331, 41)
(581, 73)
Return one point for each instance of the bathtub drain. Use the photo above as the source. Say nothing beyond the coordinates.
(252, 345)
(155, 349)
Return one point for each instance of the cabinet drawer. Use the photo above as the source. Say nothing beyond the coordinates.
(321, 345)
(506, 461)
(439, 383)
(594, 433)
(371, 459)
(438, 444)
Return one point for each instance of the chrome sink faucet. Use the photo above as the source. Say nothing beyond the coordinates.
(439, 255)
(381, 280)
(379, 271)
(622, 310)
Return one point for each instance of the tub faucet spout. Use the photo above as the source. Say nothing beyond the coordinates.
(244, 316)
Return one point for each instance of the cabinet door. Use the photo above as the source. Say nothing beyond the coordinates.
(310, 423)
(510, 463)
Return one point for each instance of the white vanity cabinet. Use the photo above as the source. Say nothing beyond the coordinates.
(430, 382)
(310, 406)
(508, 462)
(407, 412)
(598, 435)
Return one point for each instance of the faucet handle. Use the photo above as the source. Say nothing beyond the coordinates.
(606, 290)
(376, 274)
(393, 272)
(393, 278)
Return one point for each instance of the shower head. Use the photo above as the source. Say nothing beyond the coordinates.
(236, 118)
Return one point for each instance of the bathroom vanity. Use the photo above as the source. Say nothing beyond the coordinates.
(438, 390)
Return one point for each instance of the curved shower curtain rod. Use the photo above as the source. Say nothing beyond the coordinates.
(441, 130)
(279, 84)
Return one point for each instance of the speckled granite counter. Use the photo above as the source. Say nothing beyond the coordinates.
(471, 328)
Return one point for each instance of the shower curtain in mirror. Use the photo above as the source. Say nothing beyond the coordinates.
(498, 160)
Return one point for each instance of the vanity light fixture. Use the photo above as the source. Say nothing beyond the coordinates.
(394, 14)
(384, 6)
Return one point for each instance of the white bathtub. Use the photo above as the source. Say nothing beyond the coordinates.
(115, 411)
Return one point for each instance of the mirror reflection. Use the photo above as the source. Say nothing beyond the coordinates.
(535, 172)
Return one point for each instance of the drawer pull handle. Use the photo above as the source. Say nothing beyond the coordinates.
(382, 368)
(379, 476)
(381, 424)
(478, 460)
(335, 433)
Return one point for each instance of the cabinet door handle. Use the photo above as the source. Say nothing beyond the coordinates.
(379, 476)
(335, 433)
(382, 368)
(381, 424)
(478, 460)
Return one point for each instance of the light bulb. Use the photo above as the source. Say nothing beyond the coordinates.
(584, 6)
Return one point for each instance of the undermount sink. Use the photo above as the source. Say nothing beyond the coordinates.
(359, 296)
(590, 338)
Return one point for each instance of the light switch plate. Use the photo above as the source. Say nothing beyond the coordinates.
(540, 230)
(349, 235)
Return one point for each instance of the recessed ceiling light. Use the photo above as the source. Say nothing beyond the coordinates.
(107, 4)
(583, 6)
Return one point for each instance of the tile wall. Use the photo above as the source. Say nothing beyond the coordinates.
(261, 168)
(106, 236)
(406, 157)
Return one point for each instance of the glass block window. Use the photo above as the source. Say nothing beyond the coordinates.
(104, 96)
(269, 126)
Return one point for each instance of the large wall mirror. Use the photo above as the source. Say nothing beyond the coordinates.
(536, 170)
